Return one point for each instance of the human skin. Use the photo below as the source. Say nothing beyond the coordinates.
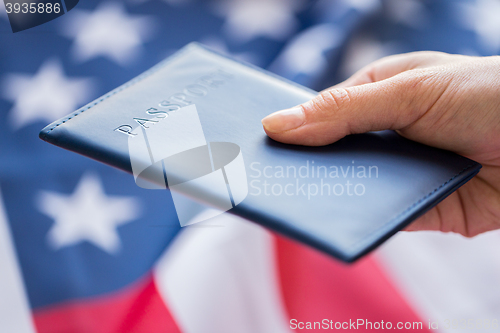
(446, 101)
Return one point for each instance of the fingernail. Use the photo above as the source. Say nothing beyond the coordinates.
(284, 120)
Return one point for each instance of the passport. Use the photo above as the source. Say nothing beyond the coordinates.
(192, 124)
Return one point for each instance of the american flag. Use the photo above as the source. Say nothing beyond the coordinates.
(83, 249)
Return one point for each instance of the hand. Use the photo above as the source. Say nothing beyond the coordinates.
(446, 101)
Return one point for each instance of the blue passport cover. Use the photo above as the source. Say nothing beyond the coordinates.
(344, 199)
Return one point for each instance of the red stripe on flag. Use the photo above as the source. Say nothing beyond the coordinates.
(136, 309)
(316, 287)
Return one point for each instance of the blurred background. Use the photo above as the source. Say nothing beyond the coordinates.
(83, 249)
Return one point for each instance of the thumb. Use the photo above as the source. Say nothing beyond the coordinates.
(393, 103)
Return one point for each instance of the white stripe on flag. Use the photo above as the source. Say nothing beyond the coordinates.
(447, 276)
(222, 279)
(15, 315)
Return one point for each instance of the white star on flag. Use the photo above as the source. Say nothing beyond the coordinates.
(483, 18)
(249, 19)
(45, 96)
(87, 215)
(109, 32)
(306, 53)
